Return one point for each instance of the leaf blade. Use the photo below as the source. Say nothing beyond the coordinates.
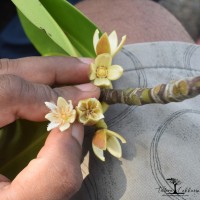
(41, 18)
(43, 44)
(78, 28)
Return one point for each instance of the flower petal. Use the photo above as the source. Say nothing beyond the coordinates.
(99, 115)
(62, 103)
(103, 60)
(90, 122)
(114, 147)
(92, 74)
(112, 133)
(99, 139)
(102, 82)
(113, 41)
(50, 105)
(51, 117)
(70, 105)
(114, 72)
(82, 106)
(52, 125)
(64, 126)
(73, 116)
(98, 152)
(87, 121)
(82, 119)
(93, 103)
(95, 39)
(103, 45)
(119, 46)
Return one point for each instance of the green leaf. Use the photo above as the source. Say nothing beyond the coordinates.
(42, 42)
(36, 13)
(57, 27)
(20, 142)
(78, 28)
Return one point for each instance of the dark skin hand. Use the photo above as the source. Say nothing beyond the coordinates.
(25, 85)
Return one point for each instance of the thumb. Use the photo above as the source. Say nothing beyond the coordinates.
(23, 99)
(55, 173)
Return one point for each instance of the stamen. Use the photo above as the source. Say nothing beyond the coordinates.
(102, 72)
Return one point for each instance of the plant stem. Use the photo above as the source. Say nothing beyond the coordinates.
(174, 91)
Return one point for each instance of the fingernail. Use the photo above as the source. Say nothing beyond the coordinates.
(86, 60)
(78, 132)
(88, 87)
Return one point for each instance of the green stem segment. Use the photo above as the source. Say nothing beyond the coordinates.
(174, 91)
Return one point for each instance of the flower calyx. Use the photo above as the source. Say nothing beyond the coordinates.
(105, 139)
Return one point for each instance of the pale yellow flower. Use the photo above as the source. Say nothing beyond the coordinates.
(107, 44)
(61, 115)
(105, 139)
(102, 72)
(89, 111)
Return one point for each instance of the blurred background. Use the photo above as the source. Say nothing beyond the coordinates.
(187, 12)
(14, 43)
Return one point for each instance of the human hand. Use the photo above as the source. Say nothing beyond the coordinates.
(25, 86)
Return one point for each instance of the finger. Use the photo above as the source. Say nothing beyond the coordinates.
(55, 173)
(48, 70)
(4, 181)
(22, 99)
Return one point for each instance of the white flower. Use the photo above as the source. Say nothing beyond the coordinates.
(102, 72)
(89, 111)
(105, 139)
(107, 44)
(61, 115)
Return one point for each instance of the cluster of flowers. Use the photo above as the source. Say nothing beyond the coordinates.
(91, 111)
(106, 47)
